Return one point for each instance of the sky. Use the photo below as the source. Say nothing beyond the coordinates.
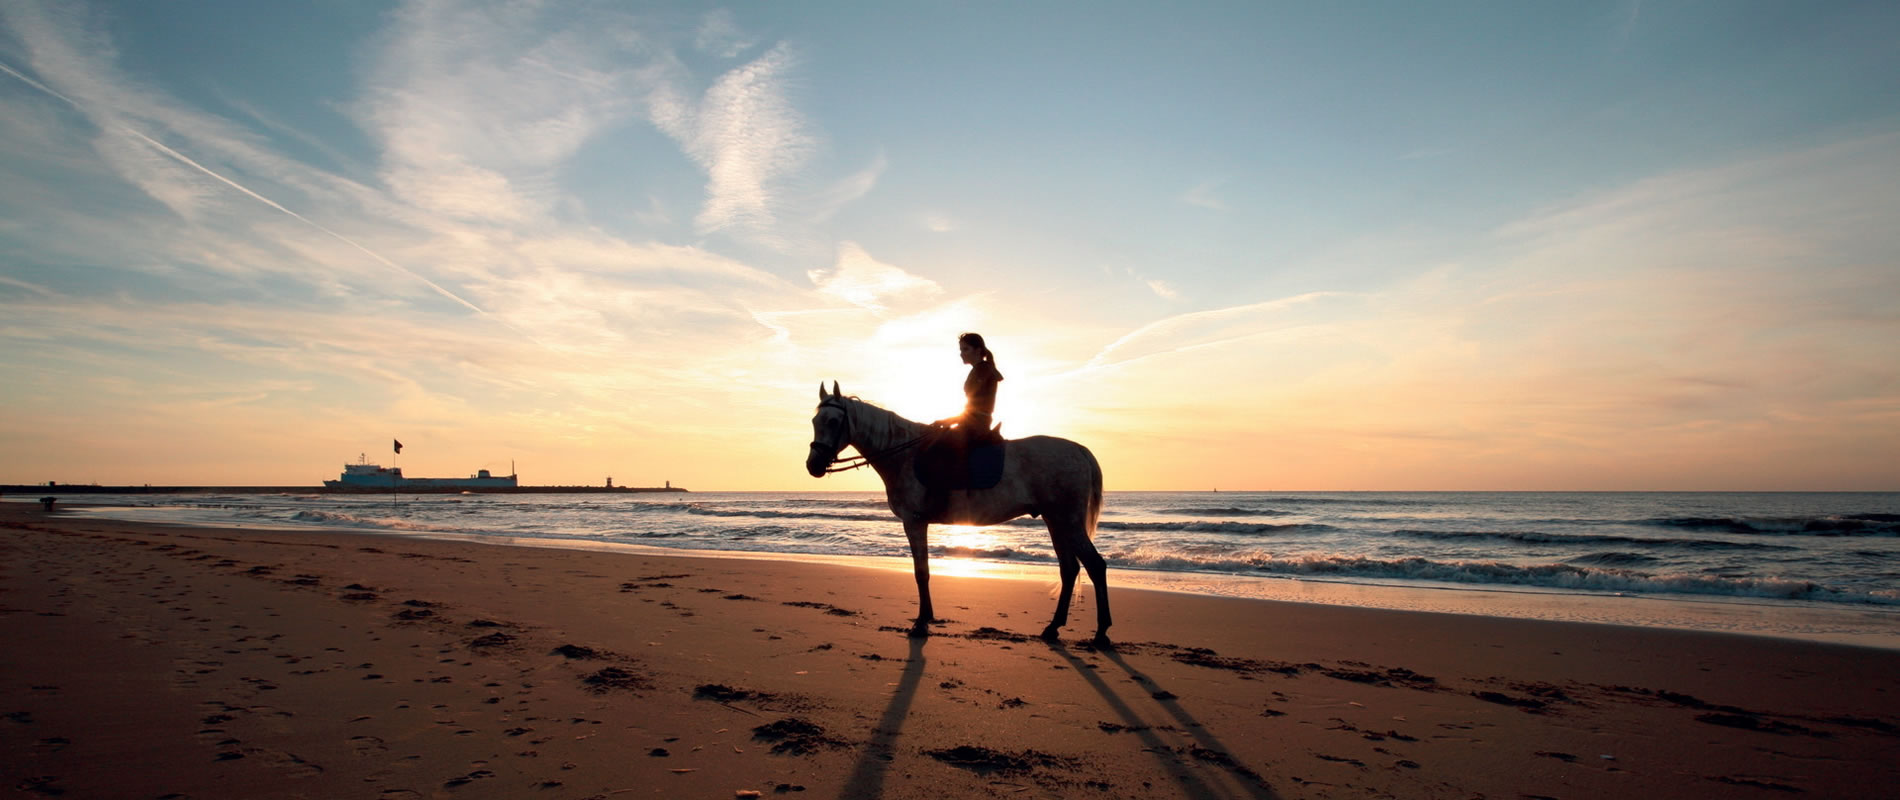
(1237, 246)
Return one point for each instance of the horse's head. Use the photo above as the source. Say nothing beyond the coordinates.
(830, 430)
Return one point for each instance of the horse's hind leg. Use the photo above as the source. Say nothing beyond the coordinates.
(1098, 575)
(1069, 566)
(1075, 552)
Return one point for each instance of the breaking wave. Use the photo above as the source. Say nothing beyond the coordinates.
(345, 519)
(1244, 528)
(1222, 511)
(1569, 576)
(1541, 537)
(1836, 525)
(761, 513)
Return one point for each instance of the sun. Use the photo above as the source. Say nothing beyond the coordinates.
(925, 384)
(909, 365)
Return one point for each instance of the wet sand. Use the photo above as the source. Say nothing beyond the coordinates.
(147, 661)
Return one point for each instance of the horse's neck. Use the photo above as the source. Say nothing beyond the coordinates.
(875, 430)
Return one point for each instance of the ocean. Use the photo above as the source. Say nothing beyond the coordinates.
(1806, 565)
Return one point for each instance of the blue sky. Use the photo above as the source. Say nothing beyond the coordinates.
(1252, 245)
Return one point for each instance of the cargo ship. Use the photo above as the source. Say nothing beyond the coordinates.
(366, 476)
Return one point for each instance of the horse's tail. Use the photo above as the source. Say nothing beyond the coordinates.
(1095, 493)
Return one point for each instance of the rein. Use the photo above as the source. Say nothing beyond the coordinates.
(862, 459)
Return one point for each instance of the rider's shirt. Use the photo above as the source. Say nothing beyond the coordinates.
(980, 388)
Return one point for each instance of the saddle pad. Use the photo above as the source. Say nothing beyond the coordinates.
(937, 468)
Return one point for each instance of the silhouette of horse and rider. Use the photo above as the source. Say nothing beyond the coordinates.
(960, 470)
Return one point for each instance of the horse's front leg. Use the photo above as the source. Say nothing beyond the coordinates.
(918, 532)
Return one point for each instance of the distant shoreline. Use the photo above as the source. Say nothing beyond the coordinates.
(150, 489)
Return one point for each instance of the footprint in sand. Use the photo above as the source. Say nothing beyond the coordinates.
(218, 737)
(467, 779)
(289, 763)
(367, 745)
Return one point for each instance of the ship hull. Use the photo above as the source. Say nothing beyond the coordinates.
(384, 483)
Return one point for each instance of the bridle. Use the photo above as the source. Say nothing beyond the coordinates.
(862, 459)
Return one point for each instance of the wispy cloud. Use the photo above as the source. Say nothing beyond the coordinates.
(156, 168)
(745, 134)
(1198, 329)
(864, 281)
(719, 35)
(29, 287)
(1628, 24)
(848, 190)
(476, 104)
(1205, 195)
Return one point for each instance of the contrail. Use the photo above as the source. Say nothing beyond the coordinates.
(183, 159)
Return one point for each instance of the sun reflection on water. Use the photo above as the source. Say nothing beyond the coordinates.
(962, 546)
(966, 538)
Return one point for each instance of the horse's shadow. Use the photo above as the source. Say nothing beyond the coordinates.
(1233, 781)
(1240, 781)
(867, 776)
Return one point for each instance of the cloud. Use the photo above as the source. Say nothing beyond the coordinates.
(848, 190)
(719, 35)
(25, 286)
(745, 134)
(655, 214)
(1199, 329)
(1203, 195)
(476, 105)
(863, 281)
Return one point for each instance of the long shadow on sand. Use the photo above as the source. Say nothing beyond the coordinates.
(1245, 782)
(867, 777)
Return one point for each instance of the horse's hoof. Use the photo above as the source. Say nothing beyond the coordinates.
(1052, 634)
(921, 630)
(1101, 642)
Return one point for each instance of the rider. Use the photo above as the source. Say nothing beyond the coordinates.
(950, 452)
(979, 387)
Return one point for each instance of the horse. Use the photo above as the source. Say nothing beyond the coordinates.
(1044, 476)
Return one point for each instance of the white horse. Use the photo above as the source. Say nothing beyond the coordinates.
(1056, 479)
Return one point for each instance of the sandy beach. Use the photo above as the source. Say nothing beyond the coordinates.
(147, 661)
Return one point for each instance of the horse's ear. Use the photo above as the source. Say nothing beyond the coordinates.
(834, 390)
(821, 391)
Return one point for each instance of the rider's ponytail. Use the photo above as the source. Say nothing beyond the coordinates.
(976, 340)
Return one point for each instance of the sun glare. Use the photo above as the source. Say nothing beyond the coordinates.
(924, 383)
(967, 538)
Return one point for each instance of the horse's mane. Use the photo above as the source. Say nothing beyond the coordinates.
(888, 424)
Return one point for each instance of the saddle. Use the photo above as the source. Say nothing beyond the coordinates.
(950, 461)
